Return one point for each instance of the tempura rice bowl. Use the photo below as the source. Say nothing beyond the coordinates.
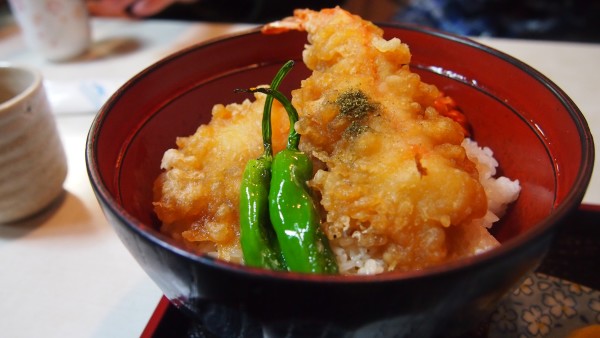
(536, 133)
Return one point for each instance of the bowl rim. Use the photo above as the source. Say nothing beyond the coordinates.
(572, 199)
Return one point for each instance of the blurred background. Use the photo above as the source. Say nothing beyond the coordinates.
(562, 20)
(566, 20)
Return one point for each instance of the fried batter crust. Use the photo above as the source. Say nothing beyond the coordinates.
(197, 195)
(393, 179)
(391, 175)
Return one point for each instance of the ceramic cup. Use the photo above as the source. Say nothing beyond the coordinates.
(56, 29)
(33, 164)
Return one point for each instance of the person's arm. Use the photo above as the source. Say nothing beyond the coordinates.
(136, 8)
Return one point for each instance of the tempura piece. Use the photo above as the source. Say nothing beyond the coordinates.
(394, 175)
(197, 195)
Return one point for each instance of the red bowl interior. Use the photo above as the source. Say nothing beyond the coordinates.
(537, 134)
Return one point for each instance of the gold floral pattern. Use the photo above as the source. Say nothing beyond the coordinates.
(545, 306)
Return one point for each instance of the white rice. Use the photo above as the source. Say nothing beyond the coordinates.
(500, 191)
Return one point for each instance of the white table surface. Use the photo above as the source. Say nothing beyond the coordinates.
(65, 273)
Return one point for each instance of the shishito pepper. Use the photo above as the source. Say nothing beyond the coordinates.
(293, 212)
(258, 240)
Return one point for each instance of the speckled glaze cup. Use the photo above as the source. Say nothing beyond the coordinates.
(56, 29)
(33, 164)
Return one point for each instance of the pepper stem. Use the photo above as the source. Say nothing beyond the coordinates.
(267, 133)
(293, 136)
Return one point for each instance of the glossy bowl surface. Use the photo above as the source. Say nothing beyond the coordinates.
(536, 132)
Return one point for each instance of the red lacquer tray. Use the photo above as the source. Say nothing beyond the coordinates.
(574, 257)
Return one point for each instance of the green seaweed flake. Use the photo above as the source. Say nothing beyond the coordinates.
(355, 104)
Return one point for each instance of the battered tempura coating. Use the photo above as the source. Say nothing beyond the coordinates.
(394, 177)
(397, 189)
(197, 196)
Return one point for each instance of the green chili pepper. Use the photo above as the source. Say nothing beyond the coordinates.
(258, 240)
(294, 214)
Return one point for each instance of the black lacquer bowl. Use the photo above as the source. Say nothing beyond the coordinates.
(538, 135)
